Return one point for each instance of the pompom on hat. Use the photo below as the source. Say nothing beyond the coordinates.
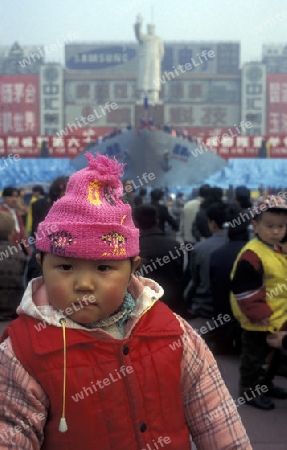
(93, 220)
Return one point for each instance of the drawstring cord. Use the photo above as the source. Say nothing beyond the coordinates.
(63, 424)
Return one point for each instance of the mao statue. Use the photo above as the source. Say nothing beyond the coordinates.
(151, 51)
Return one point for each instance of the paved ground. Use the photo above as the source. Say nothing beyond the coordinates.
(267, 430)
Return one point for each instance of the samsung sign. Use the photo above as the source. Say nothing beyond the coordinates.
(100, 58)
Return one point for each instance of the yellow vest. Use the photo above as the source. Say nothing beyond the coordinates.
(275, 276)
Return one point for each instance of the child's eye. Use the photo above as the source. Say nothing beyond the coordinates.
(103, 268)
(65, 266)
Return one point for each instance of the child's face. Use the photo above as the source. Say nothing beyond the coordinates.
(70, 281)
(271, 228)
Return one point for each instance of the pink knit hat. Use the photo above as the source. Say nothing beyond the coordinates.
(92, 220)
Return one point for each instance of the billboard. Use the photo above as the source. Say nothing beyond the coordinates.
(51, 91)
(122, 59)
(109, 114)
(198, 90)
(277, 104)
(81, 91)
(253, 95)
(202, 115)
(19, 100)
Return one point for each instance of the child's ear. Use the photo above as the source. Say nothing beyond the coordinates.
(135, 263)
(254, 225)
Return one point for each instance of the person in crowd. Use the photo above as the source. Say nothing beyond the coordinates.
(177, 207)
(129, 191)
(40, 209)
(91, 362)
(21, 206)
(189, 212)
(37, 192)
(12, 266)
(200, 226)
(42, 205)
(226, 338)
(44, 152)
(256, 304)
(155, 248)
(19, 237)
(141, 198)
(230, 193)
(199, 293)
(242, 197)
(163, 215)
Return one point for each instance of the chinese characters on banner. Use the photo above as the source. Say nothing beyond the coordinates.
(19, 105)
(244, 146)
(202, 115)
(72, 146)
(51, 82)
(30, 146)
(254, 97)
(277, 104)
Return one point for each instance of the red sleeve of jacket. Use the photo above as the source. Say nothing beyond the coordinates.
(248, 287)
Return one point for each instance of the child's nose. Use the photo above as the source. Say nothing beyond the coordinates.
(85, 282)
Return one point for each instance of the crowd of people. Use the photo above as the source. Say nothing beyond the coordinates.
(213, 256)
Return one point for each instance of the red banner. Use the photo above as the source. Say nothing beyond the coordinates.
(19, 105)
(70, 146)
(243, 146)
(30, 146)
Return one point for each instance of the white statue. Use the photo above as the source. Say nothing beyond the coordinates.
(150, 56)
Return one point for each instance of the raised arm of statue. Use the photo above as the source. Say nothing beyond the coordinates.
(138, 29)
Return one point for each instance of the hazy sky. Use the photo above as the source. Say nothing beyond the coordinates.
(43, 22)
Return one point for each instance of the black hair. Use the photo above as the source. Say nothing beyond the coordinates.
(57, 188)
(278, 211)
(9, 191)
(238, 232)
(204, 190)
(38, 188)
(156, 195)
(217, 212)
(145, 216)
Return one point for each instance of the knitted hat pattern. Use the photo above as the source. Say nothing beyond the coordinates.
(93, 220)
(266, 202)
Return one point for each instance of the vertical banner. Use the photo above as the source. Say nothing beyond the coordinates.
(253, 99)
(51, 95)
(19, 105)
(277, 104)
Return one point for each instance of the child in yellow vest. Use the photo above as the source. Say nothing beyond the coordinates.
(258, 300)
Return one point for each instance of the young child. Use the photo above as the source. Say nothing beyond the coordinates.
(12, 266)
(258, 304)
(279, 340)
(94, 359)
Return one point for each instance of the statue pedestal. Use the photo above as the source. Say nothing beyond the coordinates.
(156, 112)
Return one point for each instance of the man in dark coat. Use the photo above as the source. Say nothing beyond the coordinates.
(162, 256)
(163, 214)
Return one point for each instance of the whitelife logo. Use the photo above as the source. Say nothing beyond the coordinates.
(111, 378)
